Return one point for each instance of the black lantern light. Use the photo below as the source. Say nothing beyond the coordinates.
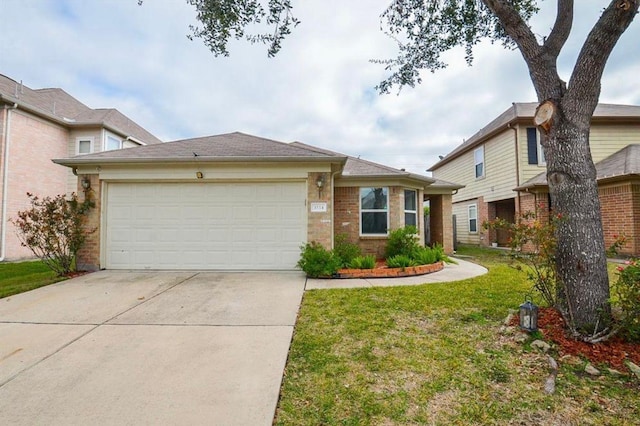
(528, 316)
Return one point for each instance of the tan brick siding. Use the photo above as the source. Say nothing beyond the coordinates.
(89, 254)
(319, 226)
(32, 144)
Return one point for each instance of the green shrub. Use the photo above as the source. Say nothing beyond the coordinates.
(425, 256)
(345, 250)
(316, 261)
(402, 241)
(363, 262)
(627, 288)
(400, 261)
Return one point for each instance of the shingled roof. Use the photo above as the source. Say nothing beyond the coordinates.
(622, 164)
(524, 112)
(227, 147)
(57, 105)
(359, 168)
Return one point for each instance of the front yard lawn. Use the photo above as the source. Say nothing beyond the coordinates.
(24, 276)
(436, 354)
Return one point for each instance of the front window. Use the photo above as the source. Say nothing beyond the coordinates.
(374, 211)
(112, 143)
(473, 218)
(410, 208)
(478, 157)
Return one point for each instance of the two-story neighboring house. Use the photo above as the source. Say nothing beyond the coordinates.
(503, 171)
(38, 125)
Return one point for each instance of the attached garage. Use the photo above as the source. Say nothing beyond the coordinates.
(205, 225)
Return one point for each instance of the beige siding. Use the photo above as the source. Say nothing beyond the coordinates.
(96, 134)
(527, 171)
(500, 171)
(609, 139)
(461, 212)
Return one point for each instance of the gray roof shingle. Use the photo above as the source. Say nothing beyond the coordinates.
(227, 147)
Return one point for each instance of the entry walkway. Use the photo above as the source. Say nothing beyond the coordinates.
(451, 272)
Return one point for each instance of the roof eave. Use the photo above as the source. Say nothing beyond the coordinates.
(73, 162)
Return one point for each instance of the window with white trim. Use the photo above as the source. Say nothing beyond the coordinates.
(473, 218)
(112, 142)
(478, 161)
(411, 207)
(374, 211)
(541, 160)
(84, 145)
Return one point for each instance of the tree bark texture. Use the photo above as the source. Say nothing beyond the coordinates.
(580, 258)
(580, 255)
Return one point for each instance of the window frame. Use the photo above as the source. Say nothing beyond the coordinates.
(480, 150)
(362, 211)
(414, 212)
(89, 139)
(469, 218)
(108, 135)
(542, 161)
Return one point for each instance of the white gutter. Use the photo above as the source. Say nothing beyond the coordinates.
(5, 180)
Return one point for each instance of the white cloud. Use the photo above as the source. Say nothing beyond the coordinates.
(319, 89)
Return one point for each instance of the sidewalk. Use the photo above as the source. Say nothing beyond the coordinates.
(462, 271)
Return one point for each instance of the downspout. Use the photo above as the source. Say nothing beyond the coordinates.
(5, 179)
(515, 129)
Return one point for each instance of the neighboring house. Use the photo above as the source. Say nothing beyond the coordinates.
(240, 202)
(504, 173)
(37, 126)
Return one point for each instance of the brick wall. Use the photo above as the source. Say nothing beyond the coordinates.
(620, 205)
(440, 221)
(89, 254)
(32, 144)
(319, 223)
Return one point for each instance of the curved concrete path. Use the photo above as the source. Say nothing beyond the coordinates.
(451, 272)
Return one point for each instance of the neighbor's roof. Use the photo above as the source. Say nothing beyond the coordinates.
(524, 112)
(228, 147)
(359, 168)
(57, 105)
(620, 165)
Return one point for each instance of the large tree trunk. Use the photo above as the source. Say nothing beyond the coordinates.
(581, 261)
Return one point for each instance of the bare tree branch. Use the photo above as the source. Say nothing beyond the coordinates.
(561, 28)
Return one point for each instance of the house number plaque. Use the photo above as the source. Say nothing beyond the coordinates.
(318, 207)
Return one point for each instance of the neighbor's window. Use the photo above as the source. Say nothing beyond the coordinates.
(84, 146)
(374, 212)
(112, 142)
(410, 207)
(478, 159)
(473, 218)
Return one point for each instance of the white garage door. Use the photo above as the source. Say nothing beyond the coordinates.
(232, 226)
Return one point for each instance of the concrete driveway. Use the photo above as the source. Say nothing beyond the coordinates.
(148, 348)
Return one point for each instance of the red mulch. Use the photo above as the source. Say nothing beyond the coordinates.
(612, 352)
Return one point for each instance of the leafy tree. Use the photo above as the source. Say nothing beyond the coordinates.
(425, 29)
(53, 228)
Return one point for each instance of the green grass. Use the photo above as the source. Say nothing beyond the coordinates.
(434, 354)
(24, 276)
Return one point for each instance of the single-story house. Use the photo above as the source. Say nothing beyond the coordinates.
(241, 202)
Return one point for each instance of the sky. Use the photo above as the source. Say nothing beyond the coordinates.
(320, 89)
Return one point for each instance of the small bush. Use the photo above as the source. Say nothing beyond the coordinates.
(400, 261)
(316, 261)
(441, 256)
(627, 289)
(402, 241)
(425, 256)
(363, 262)
(54, 230)
(346, 250)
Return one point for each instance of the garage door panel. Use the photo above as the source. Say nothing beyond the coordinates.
(205, 225)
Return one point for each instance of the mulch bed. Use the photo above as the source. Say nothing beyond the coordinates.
(612, 352)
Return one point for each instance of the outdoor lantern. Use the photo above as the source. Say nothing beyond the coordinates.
(528, 316)
(86, 183)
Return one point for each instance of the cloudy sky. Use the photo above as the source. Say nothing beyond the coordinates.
(319, 89)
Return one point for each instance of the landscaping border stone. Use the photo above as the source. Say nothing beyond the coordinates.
(385, 272)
